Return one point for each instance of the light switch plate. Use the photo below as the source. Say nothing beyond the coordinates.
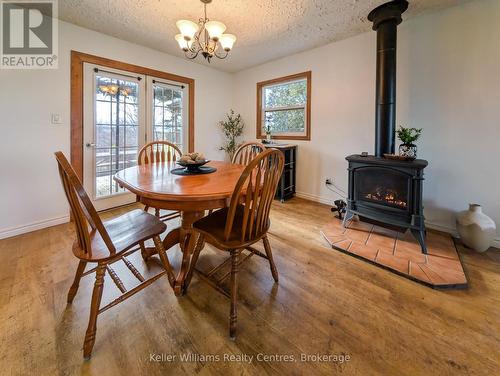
(55, 119)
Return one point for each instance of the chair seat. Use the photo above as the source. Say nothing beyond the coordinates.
(213, 226)
(125, 232)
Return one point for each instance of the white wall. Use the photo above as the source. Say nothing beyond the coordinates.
(448, 84)
(30, 192)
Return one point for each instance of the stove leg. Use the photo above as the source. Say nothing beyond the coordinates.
(347, 217)
(420, 236)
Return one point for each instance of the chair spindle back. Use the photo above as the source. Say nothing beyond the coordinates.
(247, 152)
(82, 209)
(255, 190)
(158, 151)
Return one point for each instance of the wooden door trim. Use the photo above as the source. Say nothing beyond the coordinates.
(77, 60)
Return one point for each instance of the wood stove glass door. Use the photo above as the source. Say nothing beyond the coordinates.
(382, 186)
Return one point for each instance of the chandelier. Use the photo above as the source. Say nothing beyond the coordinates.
(206, 37)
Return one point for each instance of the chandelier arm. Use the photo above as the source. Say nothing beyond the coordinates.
(221, 56)
(195, 47)
(196, 37)
(193, 55)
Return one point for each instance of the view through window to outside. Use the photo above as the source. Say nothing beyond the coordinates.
(116, 131)
(284, 108)
(167, 122)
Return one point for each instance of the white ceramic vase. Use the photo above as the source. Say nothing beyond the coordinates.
(475, 228)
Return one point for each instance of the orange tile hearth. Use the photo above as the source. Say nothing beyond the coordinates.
(400, 252)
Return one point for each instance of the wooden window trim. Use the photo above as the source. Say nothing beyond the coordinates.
(77, 60)
(260, 85)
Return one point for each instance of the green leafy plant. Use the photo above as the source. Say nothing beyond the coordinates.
(408, 135)
(232, 128)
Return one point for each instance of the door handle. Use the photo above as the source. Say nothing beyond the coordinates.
(90, 145)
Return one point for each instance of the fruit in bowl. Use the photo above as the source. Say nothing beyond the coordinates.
(192, 160)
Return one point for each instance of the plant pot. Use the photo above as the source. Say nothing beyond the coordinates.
(475, 228)
(408, 151)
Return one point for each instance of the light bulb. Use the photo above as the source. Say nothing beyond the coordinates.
(187, 28)
(227, 41)
(183, 43)
(215, 29)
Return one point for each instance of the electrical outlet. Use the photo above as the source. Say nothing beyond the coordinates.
(328, 181)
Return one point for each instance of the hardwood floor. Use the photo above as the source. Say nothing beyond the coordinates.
(326, 302)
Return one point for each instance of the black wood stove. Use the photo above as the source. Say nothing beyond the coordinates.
(386, 191)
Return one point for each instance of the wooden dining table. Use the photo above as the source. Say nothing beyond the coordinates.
(192, 195)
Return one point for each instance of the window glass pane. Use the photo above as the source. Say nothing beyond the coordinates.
(103, 112)
(286, 121)
(103, 135)
(177, 97)
(132, 115)
(167, 115)
(287, 94)
(116, 131)
(132, 136)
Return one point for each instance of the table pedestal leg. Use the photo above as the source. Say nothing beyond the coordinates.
(187, 240)
(170, 240)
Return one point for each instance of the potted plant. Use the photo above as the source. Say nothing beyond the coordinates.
(232, 128)
(408, 136)
(268, 133)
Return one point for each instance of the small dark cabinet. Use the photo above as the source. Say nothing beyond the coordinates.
(286, 186)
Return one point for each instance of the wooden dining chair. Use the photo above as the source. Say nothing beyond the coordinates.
(247, 152)
(243, 223)
(104, 243)
(160, 151)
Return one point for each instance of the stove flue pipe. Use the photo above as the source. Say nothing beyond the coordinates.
(385, 20)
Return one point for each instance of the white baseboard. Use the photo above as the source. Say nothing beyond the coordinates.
(450, 230)
(38, 225)
(315, 198)
(434, 226)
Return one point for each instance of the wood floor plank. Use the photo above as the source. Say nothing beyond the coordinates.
(326, 303)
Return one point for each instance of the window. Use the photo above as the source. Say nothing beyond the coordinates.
(284, 107)
(169, 113)
(113, 128)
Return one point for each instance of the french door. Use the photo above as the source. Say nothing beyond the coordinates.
(122, 112)
(168, 112)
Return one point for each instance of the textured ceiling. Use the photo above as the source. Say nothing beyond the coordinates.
(266, 29)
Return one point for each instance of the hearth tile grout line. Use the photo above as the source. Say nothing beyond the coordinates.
(427, 275)
(395, 244)
(348, 249)
(369, 235)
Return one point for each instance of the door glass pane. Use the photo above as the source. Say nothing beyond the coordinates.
(116, 130)
(167, 115)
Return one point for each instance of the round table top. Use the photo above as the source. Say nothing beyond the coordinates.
(154, 181)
